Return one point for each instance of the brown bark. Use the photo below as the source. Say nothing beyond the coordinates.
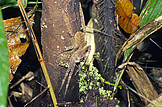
(60, 22)
(105, 44)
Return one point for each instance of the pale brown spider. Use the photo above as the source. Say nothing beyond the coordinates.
(81, 52)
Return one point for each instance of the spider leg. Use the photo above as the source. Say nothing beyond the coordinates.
(85, 59)
(69, 78)
(69, 48)
(67, 72)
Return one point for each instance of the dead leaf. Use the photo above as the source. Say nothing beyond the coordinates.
(157, 102)
(141, 82)
(17, 42)
(136, 38)
(89, 37)
(128, 20)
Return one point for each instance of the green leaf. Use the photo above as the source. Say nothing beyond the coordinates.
(4, 2)
(127, 53)
(141, 4)
(9, 3)
(151, 11)
(4, 65)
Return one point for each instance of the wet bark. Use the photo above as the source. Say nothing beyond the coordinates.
(106, 45)
(60, 22)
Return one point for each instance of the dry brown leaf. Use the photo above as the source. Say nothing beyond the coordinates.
(17, 42)
(157, 102)
(89, 37)
(128, 20)
(141, 82)
(136, 38)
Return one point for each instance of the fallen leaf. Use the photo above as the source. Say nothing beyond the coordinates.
(141, 82)
(89, 37)
(17, 42)
(136, 38)
(128, 20)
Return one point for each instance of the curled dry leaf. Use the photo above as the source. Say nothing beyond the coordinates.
(128, 20)
(89, 37)
(17, 42)
(136, 38)
(157, 101)
(141, 82)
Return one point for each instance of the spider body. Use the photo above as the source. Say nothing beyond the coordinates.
(80, 53)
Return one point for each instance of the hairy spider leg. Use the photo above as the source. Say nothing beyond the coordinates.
(72, 62)
(71, 73)
(74, 47)
(85, 59)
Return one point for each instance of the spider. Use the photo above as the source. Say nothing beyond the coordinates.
(80, 52)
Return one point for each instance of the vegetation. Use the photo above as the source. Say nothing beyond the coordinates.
(131, 73)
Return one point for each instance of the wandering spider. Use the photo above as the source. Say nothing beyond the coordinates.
(80, 53)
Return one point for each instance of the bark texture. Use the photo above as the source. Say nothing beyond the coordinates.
(105, 45)
(60, 22)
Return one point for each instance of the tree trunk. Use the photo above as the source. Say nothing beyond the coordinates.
(106, 45)
(60, 22)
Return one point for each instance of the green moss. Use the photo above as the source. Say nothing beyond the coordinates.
(105, 41)
(90, 80)
(64, 64)
(97, 56)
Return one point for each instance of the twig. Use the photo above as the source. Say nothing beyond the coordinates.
(100, 32)
(38, 52)
(40, 84)
(155, 43)
(36, 96)
(27, 76)
(140, 94)
(128, 98)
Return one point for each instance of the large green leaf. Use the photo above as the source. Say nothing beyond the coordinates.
(4, 2)
(4, 65)
(9, 3)
(151, 11)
